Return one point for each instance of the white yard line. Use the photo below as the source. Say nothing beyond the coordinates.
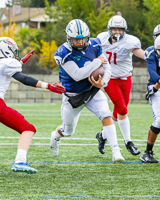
(66, 144)
(66, 138)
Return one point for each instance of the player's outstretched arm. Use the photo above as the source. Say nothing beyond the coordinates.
(27, 57)
(30, 81)
(139, 53)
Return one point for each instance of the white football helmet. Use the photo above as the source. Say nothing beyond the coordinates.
(157, 45)
(8, 48)
(156, 31)
(117, 21)
(76, 28)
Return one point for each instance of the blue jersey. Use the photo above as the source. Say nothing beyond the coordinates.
(64, 54)
(153, 65)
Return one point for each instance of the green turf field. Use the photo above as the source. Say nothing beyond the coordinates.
(79, 171)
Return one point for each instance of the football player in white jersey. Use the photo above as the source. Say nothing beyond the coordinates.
(11, 68)
(77, 59)
(152, 55)
(118, 47)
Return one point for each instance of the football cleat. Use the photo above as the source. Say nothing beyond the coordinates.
(132, 148)
(102, 142)
(54, 145)
(116, 155)
(23, 167)
(147, 157)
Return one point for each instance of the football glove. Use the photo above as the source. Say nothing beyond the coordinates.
(150, 92)
(27, 57)
(55, 87)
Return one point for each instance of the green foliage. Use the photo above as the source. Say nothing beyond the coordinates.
(29, 39)
(35, 3)
(56, 29)
(135, 12)
(66, 10)
(151, 16)
(79, 9)
(98, 19)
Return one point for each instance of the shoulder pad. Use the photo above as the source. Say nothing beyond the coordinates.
(95, 42)
(148, 52)
(62, 53)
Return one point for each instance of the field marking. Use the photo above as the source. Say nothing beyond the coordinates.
(67, 138)
(66, 144)
(83, 195)
(80, 162)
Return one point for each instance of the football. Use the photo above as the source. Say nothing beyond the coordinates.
(97, 72)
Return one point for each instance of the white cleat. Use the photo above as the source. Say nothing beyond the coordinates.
(116, 155)
(54, 145)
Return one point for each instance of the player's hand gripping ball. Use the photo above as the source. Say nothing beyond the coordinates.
(97, 72)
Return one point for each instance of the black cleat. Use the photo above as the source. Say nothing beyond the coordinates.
(132, 148)
(101, 141)
(147, 157)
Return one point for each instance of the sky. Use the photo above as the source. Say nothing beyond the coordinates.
(2, 3)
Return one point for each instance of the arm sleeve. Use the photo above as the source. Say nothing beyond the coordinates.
(26, 80)
(107, 73)
(81, 73)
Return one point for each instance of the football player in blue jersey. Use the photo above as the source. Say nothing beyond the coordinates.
(152, 55)
(77, 59)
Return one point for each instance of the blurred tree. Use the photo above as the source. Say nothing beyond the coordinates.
(151, 17)
(31, 39)
(66, 10)
(46, 55)
(98, 19)
(10, 32)
(134, 11)
(34, 3)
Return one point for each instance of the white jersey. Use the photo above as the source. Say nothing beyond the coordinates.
(119, 54)
(8, 67)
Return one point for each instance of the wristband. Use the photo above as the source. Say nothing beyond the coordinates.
(44, 85)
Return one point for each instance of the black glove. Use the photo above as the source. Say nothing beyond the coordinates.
(150, 93)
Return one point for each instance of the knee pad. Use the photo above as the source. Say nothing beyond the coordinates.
(67, 130)
(155, 130)
(104, 114)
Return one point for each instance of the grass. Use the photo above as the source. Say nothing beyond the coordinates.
(66, 176)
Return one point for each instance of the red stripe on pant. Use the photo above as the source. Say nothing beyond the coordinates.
(119, 91)
(13, 119)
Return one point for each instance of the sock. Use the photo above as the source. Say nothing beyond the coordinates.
(109, 133)
(21, 156)
(124, 126)
(149, 147)
(56, 135)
